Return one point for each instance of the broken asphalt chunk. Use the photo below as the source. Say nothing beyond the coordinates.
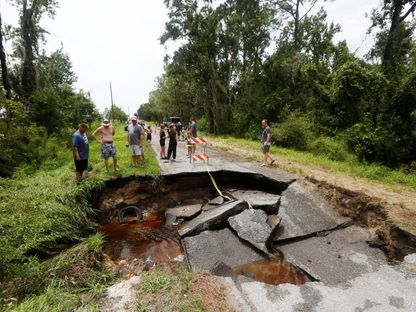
(212, 219)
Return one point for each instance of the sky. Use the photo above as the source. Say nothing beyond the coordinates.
(117, 41)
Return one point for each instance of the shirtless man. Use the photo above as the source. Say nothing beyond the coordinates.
(107, 149)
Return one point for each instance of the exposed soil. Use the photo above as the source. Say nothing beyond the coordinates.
(388, 211)
(373, 214)
(212, 292)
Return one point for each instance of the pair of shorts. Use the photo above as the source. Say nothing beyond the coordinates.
(135, 150)
(162, 142)
(265, 148)
(81, 165)
(108, 150)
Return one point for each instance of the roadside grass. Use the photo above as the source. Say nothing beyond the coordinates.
(351, 167)
(70, 281)
(166, 290)
(48, 246)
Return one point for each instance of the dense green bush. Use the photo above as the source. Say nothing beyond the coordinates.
(330, 148)
(203, 125)
(364, 141)
(295, 132)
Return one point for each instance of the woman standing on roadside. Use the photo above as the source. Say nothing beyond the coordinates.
(162, 140)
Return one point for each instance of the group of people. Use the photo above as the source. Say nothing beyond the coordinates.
(135, 137)
(173, 133)
(104, 136)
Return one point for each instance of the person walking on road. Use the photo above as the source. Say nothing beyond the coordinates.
(80, 151)
(105, 139)
(265, 142)
(135, 137)
(172, 135)
(192, 132)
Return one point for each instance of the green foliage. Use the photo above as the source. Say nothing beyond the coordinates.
(356, 92)
(203, 125)
(22, 144)
(56, 299)
(330, 148)
(160, 280)
(48, 214)
(115, 113)
(222, 74)
(294, 132)
(364, 140)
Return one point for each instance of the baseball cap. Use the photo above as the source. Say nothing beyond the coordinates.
(106, 122)
(134, 118)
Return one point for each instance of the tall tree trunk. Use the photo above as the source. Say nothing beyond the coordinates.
(296, 30)
(4, 73)
(29, 74)
(388, 55)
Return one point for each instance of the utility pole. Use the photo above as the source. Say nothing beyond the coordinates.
(112, 104)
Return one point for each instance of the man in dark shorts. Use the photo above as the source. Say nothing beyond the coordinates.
(80, 151)
(265, 142)
(192, 132)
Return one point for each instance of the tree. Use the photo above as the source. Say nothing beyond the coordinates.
(4, 72)
(394, 41)
(55, 69)
(222, 55)
(291, 9)
(31, 33)
(115, 113)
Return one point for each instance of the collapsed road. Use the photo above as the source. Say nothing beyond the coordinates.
(272, 239)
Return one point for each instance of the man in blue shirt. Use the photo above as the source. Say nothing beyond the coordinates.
(80, 150)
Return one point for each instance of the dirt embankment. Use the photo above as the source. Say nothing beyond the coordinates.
(389, 211)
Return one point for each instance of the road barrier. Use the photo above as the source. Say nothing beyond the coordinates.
(197, 157)
(204, 157)
(199, 140)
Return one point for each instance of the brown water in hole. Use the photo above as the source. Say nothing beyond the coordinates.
(148, 239)
(272, 272)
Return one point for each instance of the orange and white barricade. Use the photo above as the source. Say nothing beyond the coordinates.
(199, 140)
(203, 157)
(194, 156)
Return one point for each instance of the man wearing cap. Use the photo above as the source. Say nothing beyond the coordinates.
(135, 137)
(105, 138)
(80, 151)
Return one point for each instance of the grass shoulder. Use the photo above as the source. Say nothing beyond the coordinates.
(349, 167)
(48, 246)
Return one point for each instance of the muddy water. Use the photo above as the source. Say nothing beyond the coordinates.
(272, 272)
(149, 239)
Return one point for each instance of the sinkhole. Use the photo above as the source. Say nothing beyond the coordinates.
(182, 219)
